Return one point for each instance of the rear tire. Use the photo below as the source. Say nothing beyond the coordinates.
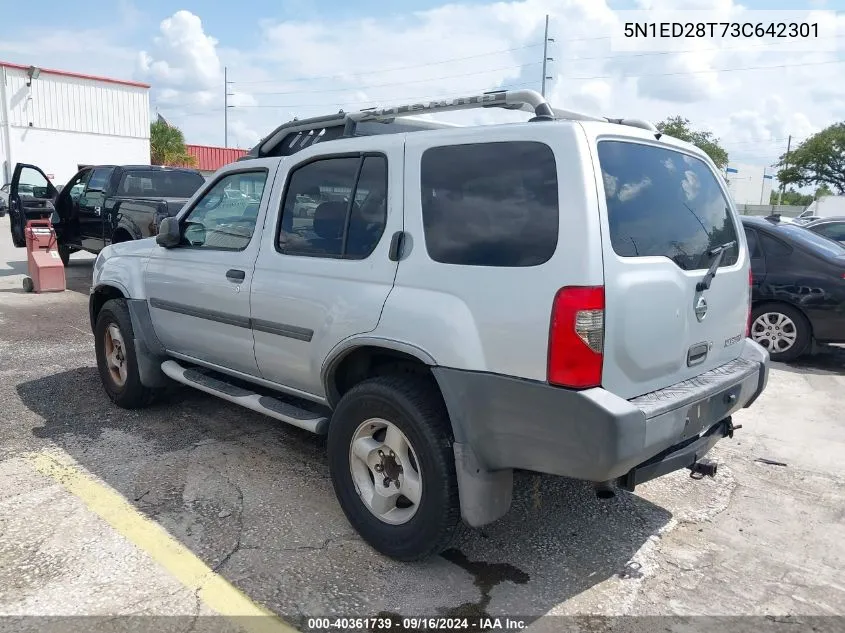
(783, 330)
(114, 342)
(412, 410)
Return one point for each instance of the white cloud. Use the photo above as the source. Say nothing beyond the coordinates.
(309, 65)
(183, 55)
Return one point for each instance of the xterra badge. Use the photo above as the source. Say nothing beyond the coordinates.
(733, 340)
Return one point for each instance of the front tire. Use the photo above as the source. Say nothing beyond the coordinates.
(18, 239)
(64, 254)
(392, 466)
(114, 342)
(783, 330)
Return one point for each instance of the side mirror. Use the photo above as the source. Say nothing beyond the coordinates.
(169, 234)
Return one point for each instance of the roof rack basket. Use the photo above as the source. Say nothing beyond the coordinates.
(294, 136)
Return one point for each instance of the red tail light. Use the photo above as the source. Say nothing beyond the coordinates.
(750, 289)
(576, 337)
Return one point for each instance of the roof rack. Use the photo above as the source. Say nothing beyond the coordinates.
(296, 135)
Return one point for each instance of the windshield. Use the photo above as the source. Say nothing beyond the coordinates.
(661, 202)
(159, 184)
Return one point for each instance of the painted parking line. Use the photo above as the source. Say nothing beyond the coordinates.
(214, 590)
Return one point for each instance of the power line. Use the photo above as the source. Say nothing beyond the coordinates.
(390, 99)
(388, 70)
(328, 104)
(714, 70)
(515, 48)
(397, 83)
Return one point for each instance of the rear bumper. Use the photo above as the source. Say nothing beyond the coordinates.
(592, 434)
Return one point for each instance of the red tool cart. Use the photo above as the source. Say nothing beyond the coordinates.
(46, 271)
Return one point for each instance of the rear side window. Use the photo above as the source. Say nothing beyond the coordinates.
(490, 204)
(335, 207)
(664, 203)
(164, 184)
(774, 247)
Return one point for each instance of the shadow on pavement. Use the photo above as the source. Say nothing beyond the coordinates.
(253, 499)
(15, 268)
(829, 358)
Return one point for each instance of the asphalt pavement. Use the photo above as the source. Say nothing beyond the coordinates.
(105, 512)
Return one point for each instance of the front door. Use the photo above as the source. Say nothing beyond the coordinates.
(198, 292)
(324, 269)
(31, 196)
(91, 209)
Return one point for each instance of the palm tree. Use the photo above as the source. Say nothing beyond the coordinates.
(167, 145)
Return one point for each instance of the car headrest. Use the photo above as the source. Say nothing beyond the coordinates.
(329, 219)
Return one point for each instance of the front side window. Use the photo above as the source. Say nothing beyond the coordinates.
(335, 207)
(664, 203)
(99, 180)
(76, 187)
(33, 184)
(223, 222)
(490, 204)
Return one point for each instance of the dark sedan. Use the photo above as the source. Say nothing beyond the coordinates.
(833, 228)
(798, 287)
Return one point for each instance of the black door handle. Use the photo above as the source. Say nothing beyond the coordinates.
(235, 275)
(396, 243)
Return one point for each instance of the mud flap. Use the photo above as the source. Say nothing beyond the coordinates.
(148, 349)
(485, 495)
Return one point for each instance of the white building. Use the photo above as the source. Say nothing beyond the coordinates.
(749, 184)
(61, 121)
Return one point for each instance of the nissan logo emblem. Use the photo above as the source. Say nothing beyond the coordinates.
(700, 308)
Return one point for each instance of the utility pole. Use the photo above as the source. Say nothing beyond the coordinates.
(785, 163)
(225, 106)
(763, 187)
(546, 58)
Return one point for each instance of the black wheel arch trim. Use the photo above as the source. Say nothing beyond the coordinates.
(349, 345)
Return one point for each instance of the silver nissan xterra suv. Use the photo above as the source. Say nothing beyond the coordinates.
(567, 295)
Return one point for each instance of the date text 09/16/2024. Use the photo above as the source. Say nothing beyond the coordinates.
(396, 623)
(778, 30)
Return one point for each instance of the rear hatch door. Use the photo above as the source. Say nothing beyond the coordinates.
(665, 213)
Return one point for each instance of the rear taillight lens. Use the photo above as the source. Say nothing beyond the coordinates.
(576, 337)
(748, 314)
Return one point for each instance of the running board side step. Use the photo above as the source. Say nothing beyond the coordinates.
(267, 405)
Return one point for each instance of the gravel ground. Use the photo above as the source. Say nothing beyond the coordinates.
(251, 498)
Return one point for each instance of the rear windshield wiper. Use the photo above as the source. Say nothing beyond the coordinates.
(717, 253)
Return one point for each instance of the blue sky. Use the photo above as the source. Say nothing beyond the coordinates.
(304, 57)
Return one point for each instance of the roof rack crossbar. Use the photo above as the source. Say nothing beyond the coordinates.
(510, 99)
(527, 100)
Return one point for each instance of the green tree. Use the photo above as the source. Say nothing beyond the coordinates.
(679, 127)
(167, 145)
(791, 197)
(822, 191)
(819, 160)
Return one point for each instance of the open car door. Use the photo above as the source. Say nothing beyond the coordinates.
(31, 197)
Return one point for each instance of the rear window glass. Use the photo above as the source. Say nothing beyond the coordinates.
(664, 203)
(159, 184)
(490, 204)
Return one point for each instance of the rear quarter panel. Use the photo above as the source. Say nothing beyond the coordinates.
(494, 319)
